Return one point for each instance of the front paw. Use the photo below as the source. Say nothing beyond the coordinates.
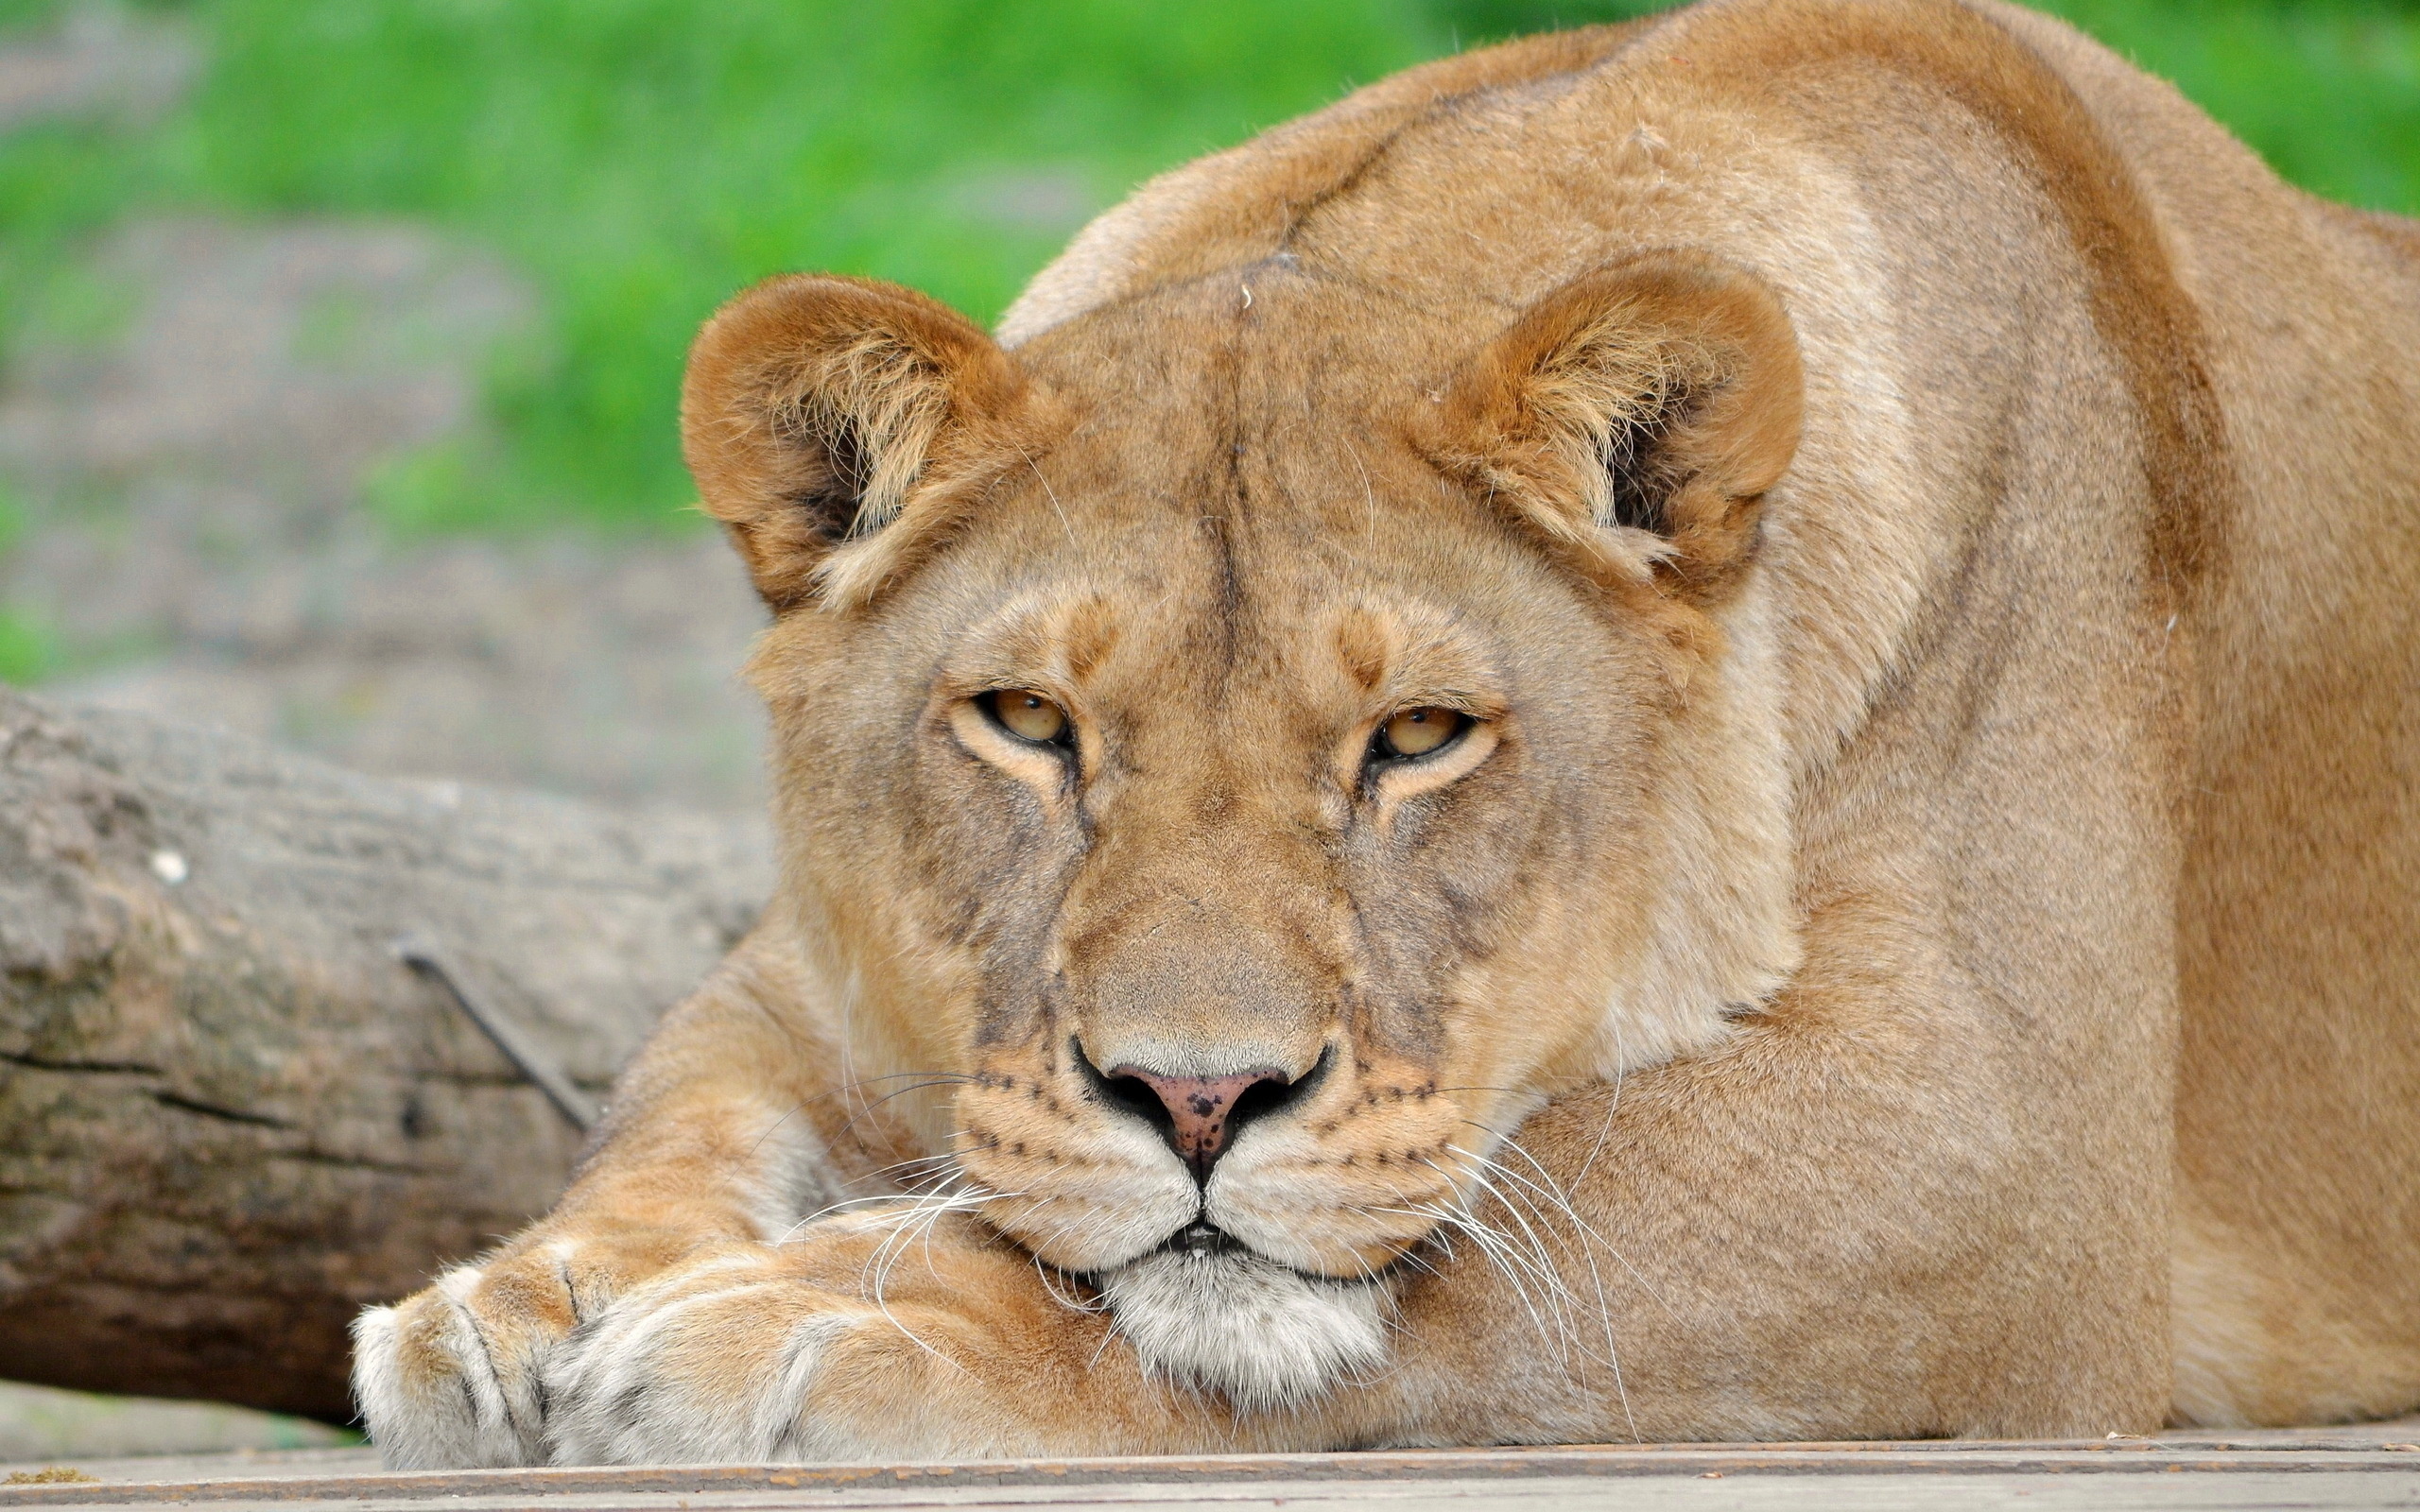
(840, 1346)
(455, 1376)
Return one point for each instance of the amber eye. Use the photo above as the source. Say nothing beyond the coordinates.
(1028, 715)
(1418, 731)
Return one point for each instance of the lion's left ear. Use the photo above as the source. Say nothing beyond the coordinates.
(1635, 417)
(837, 426)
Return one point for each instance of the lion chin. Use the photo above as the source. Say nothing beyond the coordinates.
(1227, 1320)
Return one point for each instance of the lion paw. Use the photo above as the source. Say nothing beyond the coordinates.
(720, 1362)
(842, 1343)
(442, 1386)
(455, 1376)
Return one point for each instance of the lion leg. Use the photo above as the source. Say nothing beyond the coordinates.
(724, 1130)
(887, 1335)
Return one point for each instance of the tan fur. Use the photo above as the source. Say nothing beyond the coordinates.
(1917, 939)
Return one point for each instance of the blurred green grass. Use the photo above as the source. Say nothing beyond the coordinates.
(639, 160)
(25, 649)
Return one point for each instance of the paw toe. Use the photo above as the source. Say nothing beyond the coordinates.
(440, 1387)
(707, 1372)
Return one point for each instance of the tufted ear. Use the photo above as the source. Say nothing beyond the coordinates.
(837, 425)
(1635, 416)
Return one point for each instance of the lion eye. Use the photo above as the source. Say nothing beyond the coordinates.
(1028, 716)
(1418, 731)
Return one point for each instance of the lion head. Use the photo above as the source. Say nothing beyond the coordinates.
(1250, 744)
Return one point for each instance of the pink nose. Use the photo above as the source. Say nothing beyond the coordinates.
(1200, 1108)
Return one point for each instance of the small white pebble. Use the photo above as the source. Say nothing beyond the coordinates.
(168, 867)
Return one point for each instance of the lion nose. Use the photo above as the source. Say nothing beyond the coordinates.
(1204, 1111)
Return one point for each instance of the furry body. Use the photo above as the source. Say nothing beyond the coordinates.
(1924, 531)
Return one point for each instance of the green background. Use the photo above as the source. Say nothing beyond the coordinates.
(638, 159)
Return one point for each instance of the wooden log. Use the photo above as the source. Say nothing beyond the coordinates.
(230, 1114)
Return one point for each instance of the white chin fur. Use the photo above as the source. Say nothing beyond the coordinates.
(1267, 1336)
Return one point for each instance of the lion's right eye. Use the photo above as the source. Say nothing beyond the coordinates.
(1028, 715)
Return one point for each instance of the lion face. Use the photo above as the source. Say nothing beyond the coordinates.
(1223, 811)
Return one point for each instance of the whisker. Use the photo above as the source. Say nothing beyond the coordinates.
(1073, 1304)
(1493, 1247)
(1540, 1259)
(1596, 1277)
(1515, 1204)
(915, 1221)
(950, 1080)
(1108, 1334)
(934, 1164)
(1613, 1104)
(846, 1088)
(1583, 1226)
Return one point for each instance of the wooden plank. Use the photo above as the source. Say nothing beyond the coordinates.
(2374, 1466)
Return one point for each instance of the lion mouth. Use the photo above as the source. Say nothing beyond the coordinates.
(1201, 1237)
(1204, 1242)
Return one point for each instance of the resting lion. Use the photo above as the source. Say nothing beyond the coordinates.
(1702, 729)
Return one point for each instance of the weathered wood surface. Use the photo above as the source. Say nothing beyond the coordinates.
(2373, 1466)
(229, 1115)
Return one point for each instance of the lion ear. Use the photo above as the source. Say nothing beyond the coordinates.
(823, 415)
(1636, 415)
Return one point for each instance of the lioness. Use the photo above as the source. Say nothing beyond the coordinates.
(1700, 729)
